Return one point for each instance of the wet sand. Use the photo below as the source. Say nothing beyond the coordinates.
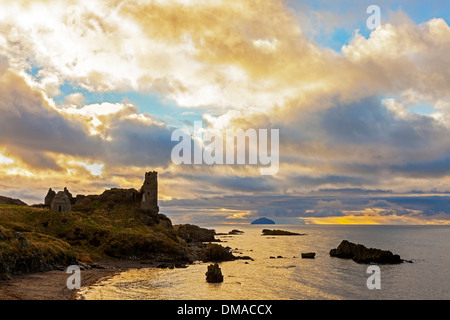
(51, 285)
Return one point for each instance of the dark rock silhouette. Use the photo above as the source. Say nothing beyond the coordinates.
(308, 255)
(10, 201)
(23, 257)
(361, 254)
(235, 231)
(215, 252)
(245, 258)
(192, 233)
(214, 274)
(267, 232)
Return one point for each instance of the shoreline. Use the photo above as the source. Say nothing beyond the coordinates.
(51, 285)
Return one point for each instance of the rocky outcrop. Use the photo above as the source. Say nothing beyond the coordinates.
(267, 232)
(214, 274)
(20, 256)
(152, 220)
(10, 201)
(191, 233)
(361, 254)
(215, 252)
(308, 255)
(235, 232)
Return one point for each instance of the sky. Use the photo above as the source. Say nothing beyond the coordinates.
(92, 90)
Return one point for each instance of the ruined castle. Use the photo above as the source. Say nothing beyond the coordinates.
(146, 198)
(149, 191)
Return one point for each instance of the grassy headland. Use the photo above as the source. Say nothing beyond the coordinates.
(35, 239)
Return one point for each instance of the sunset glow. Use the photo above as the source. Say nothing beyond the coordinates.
(92, 90)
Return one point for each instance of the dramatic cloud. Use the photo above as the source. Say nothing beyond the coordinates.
(72, 143)
(29, 125)
(372, 114)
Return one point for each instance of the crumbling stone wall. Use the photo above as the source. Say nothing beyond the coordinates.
(149, 191)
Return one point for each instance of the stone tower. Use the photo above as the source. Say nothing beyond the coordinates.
(149, 192)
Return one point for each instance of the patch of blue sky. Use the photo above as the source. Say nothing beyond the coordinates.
(421, 107)
(353, 14)
(421, 11)
(152, 103)
(34, 71)
(334, 40)
(418, 10)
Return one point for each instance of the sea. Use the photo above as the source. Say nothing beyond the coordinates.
(277, 271)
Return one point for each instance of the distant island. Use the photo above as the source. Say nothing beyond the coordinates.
(263, 221)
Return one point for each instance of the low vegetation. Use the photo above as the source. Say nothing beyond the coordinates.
(36, 239)
(40, 239)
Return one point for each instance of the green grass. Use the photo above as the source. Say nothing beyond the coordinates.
(92, 232)
(7, 205)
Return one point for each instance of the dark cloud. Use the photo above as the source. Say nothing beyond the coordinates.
(379, 204)
(207, 179)
(244, 184)
(32, 128)
(363, 144)
(330, 179)
(353, 191)
(290, 206)
(139, 144)
(369, 122)
(428, 205)
(435, 168)
(32, 131)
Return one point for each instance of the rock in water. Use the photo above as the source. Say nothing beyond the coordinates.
(361, 254)
(214, 274)
(235, 232)
(267, 232)
(191, 233)
(216, 253)
(308, 255)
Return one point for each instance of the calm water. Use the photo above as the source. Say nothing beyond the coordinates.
(294, 278)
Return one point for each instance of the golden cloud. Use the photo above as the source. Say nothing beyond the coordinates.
(249, 62)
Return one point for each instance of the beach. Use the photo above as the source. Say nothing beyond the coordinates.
(51, 285)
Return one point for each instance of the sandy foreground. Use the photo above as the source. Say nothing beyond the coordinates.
(51, 285)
